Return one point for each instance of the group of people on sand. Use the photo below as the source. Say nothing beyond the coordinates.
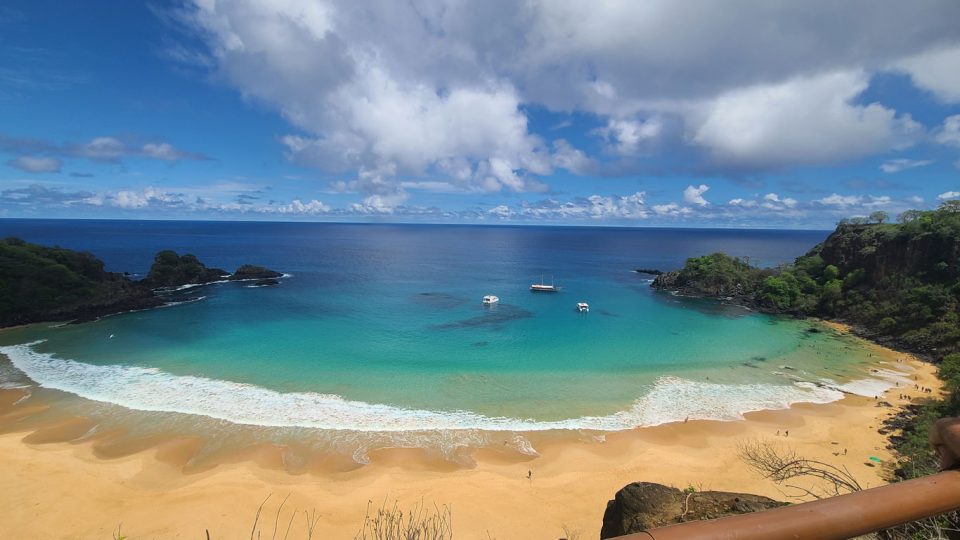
(923, 389)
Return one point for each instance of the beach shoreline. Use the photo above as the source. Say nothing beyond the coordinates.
(147, 490)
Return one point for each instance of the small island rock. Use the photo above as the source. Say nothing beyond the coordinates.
(250, 271)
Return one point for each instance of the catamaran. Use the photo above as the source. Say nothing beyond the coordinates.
(583, 307)
(490, 299)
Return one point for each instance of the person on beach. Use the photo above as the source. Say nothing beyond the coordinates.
(529, 475)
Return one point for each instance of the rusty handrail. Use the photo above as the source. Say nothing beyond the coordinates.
(835, 518)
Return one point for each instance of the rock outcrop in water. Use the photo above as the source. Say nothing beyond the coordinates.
(39, 283)
(172, 270)
(251, 272)
(645, 505)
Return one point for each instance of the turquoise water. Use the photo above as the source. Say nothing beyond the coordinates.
(381, 329)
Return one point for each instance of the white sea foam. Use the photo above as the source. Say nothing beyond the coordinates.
(670, 399)
(882, 380)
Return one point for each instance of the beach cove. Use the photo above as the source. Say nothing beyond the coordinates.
(147, 490)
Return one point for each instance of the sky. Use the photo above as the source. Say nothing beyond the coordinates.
(763, 114)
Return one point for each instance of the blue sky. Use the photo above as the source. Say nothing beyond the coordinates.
(659, 113)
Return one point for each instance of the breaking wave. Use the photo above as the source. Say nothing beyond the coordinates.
(670, 399)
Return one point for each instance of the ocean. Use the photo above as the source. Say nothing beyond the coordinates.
(378, 337)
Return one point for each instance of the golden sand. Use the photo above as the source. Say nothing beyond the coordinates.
(55, 489)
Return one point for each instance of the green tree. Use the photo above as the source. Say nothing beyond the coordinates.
(879, 217)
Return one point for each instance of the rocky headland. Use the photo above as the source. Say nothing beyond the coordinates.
(40, 283)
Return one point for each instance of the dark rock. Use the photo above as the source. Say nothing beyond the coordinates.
(651, 271)
(265, 282)
(172, 270)
(249, 271)
(645, 505)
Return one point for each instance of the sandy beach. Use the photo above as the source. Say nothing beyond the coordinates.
(53, 488)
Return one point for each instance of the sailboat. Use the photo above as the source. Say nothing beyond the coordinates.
(543, 287)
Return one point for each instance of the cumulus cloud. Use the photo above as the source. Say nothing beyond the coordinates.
(627, 136)
(743, 203)
(949, 133)
(949, 195)
(936, 70)
(771, 201)
(896, 165)
(565, 156)
(694, 195)
(428, 85)
(671, 210)
(34, 164)
(595, 207)
(803, 121)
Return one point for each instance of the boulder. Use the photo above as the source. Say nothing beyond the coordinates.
(645, 505)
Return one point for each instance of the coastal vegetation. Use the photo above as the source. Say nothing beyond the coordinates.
(40, 283)
(895, 283)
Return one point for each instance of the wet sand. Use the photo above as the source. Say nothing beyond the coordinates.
(53, 485)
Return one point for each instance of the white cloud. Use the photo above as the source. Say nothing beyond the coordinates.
(948, 195)
(806, 120)
(113, 149)
(163, 151)
(34, 164)
(896, 165)
(772, 201)
(627, 136)
(936, 70)
(501, 211)
(845, 201)
(565, 156)
(594, 207)
(296, 206)
(671, 210)
(949, 133)
(743, 203)
(424, 84)
(694, 195)
(104, 148)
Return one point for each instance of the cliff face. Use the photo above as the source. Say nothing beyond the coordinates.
(885, 251)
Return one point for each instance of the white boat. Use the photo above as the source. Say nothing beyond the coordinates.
(543, 287)
(583, 307)
(490, 299)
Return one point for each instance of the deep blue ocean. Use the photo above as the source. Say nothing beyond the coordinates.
(380, 329)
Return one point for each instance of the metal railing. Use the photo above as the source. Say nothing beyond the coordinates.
(836, 518)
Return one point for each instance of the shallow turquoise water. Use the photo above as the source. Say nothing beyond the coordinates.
(381, 329)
